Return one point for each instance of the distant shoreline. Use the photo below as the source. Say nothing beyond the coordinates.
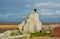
(16, 23)
(7, 23)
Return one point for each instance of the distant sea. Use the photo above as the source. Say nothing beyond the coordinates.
(2, 23)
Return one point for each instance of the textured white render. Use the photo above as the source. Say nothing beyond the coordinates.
(20, 26)
(33, 23)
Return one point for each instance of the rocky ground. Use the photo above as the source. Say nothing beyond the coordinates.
(45, 37)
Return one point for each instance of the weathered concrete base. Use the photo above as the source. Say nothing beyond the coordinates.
(25, 36)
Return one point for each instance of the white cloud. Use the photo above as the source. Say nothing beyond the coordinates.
(49, 13)
(46, 12)
(47, 4)
(3, 16)
(11, 15)
(27, 6)
(57, 12)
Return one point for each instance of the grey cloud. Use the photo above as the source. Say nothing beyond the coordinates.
(48, 5)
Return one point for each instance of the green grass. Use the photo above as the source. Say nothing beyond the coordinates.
(37, 34)
(15, 33)
(42, 33)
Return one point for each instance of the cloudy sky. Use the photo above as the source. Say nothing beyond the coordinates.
(14, 10)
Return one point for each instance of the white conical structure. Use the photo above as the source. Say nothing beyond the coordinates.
(32, 24)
